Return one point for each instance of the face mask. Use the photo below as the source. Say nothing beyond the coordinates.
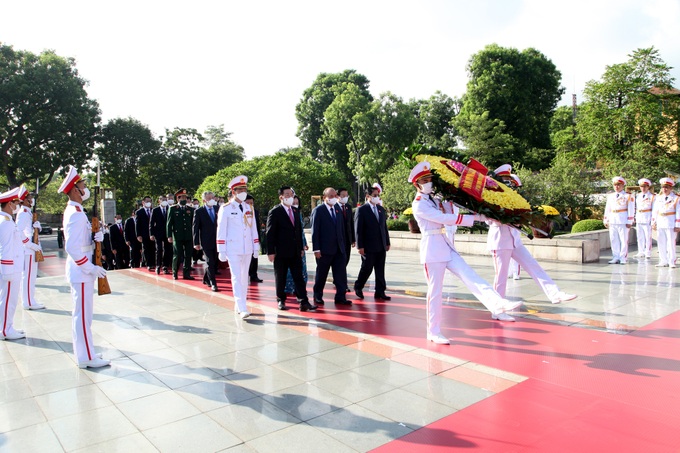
(288, 201)
(106, 231)
(195, 206)
(17, 209)
(221, 203)
(86, 194)
(375, 200)
(164, 203)
(242, 196)
(119, 221)
(211, 203)
(182, 202)
(344, 200)
(32, 202)
(147, 204)
(332, 201)
(171, 202)
(426, 188)
(296, 206)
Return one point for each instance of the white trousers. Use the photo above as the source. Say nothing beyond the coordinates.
(644, 239)
(28, 281)
(83, 343)
(9, 296)
(501, 263)
(666, 241)
(515, 268)
(618, 236)
(238, 266)
(434, 273)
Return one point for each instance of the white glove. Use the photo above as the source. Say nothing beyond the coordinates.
(5, 276)
(222, 256)
(36, 224)
(99, 236)
(33, 247)
(99, 272)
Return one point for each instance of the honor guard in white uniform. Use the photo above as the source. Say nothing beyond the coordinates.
(81, 273)
(438, 254)
(666, 222)
(644, 203)
(237, 240)
(26, 225)
(505, 244)
(619, 213)
(11, 264)
(514, 265)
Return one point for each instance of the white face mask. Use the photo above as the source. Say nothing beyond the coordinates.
(17, 209)
(296, 206)
(375, 200)
(147, 204)
(32, 202)
(171, 202)
(86, 194)
(119, 221)
(211, 203)
(221, 203)
(106, 231)
(242, 196)
(288, 201)
(426, 188)
(344, 200)
(164, 203)
(332, 201)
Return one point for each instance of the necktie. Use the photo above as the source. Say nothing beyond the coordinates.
(290, 216)
(375, 212)
(120, 227)
(344, 211)
(240, 206)
(148, 213)
(163, 211)
(212, 214)
(333, 213)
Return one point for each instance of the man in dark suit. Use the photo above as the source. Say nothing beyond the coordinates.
(373, 243)
(158, 234)
(285, 249)
(205, 237)
(130, 236)
(346, 209)
(142, 220)
(328, 244)
(107, 250)
(121, 250)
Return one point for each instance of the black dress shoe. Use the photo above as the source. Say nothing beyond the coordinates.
(319, 301)
(347, 290)
(188, 277)
(282, 306)
(158, 271)
(306, 306)
(174, 275)
(166, 271)
(359, 293)
(256, 280)
(382, 297)
(214, 288)
(343, 302)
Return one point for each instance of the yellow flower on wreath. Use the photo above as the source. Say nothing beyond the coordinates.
(548, 210)
(505, 198)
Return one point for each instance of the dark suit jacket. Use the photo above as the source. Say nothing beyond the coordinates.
(129, 231)
(158, 223)
(283, 238)
(350, 237)
(117, 238)
(372, 236)
(142, 223)
(328, 236)
(204, 229)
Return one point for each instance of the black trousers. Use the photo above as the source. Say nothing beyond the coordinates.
(371, 261)
(181, 251)
(149, 250)
(135, 253)
(163, 253)
(281, 267)
(122, 258)
(252, 270)
(337, 262)
(211, 265)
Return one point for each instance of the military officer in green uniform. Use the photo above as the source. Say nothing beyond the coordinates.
(180, 219)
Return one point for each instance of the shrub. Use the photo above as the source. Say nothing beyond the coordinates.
(397, 225)
(587, 225)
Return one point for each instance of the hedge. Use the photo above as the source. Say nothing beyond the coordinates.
(587, 225)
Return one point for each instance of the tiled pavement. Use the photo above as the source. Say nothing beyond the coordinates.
(188, 375)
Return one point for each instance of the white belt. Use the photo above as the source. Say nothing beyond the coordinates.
(434, 232)
(87, 248)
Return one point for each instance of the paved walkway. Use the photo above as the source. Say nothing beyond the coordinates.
(599, 373)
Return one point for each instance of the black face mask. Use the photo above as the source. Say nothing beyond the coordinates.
(183, 202)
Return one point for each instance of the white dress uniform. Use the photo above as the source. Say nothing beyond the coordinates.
(11, 265)
(644, 203)
(505, 244)
(237, 238)
(438, 254)
(666, 217)
(25, 225)
(79, 273)
(619, 213)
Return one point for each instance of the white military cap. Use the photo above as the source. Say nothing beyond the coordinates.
(618, 180)
(10, 195)
(239, 181)
(666, 182)
(419, 171)
(516, 179)
(503, 170)
(377, 186)
(642, 181)
(72, 177)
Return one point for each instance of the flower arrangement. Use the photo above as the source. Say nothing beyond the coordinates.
(408, 212)
(548, 210)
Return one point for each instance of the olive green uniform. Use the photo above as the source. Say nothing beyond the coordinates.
(180, 220)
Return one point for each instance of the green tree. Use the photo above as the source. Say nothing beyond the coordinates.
(397, 193)
(267, 173)
(519, 89)
(380, 134)
(436, 116)
(219, 151)
(46, 117)
(629, 119)
(127, 146)
(486, 139)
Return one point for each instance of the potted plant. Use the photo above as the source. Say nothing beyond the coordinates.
(412, 224)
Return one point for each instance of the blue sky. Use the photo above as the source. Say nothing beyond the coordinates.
(246, 64)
